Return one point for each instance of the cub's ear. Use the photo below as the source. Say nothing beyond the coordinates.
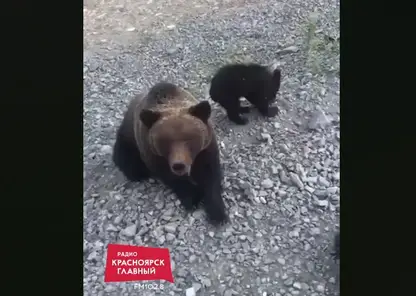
(201, 110)
(149, 117)
(277, 77)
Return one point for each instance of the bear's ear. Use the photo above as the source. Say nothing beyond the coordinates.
(277, 76)
(149, 117)
(201, 110)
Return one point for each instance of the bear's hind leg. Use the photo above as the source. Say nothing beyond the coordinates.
(234, 110)
(127, 159)
(232, 107)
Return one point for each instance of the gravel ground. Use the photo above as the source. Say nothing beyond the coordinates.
(281, 174)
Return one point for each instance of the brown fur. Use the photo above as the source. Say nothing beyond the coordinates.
(174, 141)
(169, 130)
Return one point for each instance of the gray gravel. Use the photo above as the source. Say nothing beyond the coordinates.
(281, 174)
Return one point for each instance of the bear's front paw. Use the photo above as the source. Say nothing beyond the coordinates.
(240, 120)
(218, 217)
(272, 111)
(188, 204)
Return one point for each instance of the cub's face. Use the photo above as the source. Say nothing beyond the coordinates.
(178, 138)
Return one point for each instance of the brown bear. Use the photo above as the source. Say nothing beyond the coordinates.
(167, 134)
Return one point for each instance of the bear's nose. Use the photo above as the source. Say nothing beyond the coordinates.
(178, 167)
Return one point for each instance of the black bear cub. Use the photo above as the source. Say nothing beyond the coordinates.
(167, 134)
(258, 84)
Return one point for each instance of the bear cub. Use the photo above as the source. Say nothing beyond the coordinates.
(167, 134)
(258, 84)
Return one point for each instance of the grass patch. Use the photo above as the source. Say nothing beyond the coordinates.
(322, 51)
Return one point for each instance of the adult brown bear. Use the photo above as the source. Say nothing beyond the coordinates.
(168, 135)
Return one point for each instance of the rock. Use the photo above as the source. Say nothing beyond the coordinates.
(109, 289)
(288, 282)
(284, 178)
(328, 162)
(284, 148)
(170, 237)
(257, 215)
(322, 203)
(309, 189)
(130, 231)
(211, 257)
(111, 227)
(171, 228)
(160, 205)
(318, 119)
(320, 288)
(320, 193)
(312, 180)
(143, 230)
(300, 170)
(281, 193)
(315, 231)
(294, 233)
(161, 240)
(92, 256)
(262, 193)
(118, 219)
(324, 182)
(296, 180)
(297, 285)
(266, 137)
(172, 50)
(332, 190)
(267, 183)
(106, 149)
(282, 261)
(196, 286)
(206, 282)
(289, 49)
(190, 292)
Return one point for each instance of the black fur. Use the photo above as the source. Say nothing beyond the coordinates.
(253, 82)
(204, 186)
(126, 155)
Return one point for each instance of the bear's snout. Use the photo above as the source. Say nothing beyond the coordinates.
(180, 168)
(180, 160)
